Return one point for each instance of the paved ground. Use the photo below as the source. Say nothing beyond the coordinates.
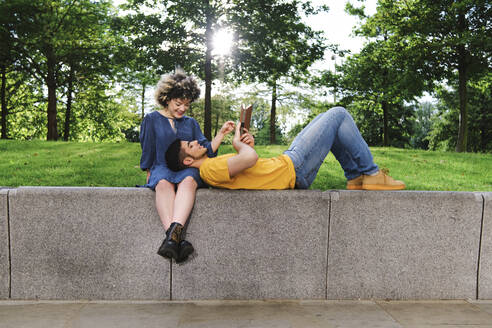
(243, 314)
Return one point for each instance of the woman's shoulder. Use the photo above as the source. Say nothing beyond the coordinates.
(152, 115)
(190, 120)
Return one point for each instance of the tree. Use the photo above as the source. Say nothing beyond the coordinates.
(47, 33)
(222, 111)
(450, 40)
(101, 115)
(422, 125)
(147, 46)
(444, 131)
(273, 43)
(380, 80)
(9, 65)
(191, 25)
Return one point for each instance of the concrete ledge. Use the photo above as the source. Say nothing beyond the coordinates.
(4, 245)
(256, 245)
(86, 243)
(100, 243)
(485, 270)
(404, 245)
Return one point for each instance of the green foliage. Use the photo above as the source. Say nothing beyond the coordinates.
(313, 108)
(272, 40)
(274, 44)
(443, 135)
(422, 126)
(368, 117)
(224, 108)
(435, 39)
(96, 116)
(375, 84)
(101, 117)
(58, 43)
(25, 107)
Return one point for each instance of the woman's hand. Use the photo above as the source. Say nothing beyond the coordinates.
(227, 128)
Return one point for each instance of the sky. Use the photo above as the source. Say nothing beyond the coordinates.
(338, 25)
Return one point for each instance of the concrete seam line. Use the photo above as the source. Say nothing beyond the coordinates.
(378, 304)
(480, 247)
(9, 244)
(171, 280)
(328, 244)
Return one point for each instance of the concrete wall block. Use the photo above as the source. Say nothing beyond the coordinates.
(86, 243)
(485, 272)
(403, 245)
(4, 245)
(255, 245)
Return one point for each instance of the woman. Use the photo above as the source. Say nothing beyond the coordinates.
(175, 191)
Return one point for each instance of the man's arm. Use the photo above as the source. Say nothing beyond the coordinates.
(246, 156)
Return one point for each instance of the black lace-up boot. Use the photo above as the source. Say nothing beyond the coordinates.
(185, 250)
(170, 246)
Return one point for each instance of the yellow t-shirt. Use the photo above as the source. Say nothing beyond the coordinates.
(267, 173)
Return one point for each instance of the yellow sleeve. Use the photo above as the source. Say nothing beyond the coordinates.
(214, 171)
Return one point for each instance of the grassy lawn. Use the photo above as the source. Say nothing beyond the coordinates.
(42, 163)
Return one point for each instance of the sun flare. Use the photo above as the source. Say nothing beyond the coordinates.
(222, 42)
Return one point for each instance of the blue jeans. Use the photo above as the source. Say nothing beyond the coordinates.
(333, 130)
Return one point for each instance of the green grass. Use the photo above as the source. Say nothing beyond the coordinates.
(42, 163)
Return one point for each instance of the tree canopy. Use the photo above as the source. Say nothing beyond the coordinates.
(438, 41)
(82, 69)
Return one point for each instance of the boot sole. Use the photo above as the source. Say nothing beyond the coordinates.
(354, 187)
(184, 253)
(382, 187)
(169, 254)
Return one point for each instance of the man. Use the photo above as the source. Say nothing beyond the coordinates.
(333, 130)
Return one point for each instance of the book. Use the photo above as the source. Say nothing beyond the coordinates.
(245, 117)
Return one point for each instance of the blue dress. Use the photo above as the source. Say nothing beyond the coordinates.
(156, 134)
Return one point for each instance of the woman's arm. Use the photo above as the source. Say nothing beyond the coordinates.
(225, 130)
(147, 143)
(213, 146)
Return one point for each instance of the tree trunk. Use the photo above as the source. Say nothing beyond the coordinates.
(217, 122)
(384, 104)
(273, 113)
(207, 120)
(463, 123)
(51, 83)
(463, 79)
(462, 91)
(143, 100)
(68, 113)
(4, 102)
(484, 128)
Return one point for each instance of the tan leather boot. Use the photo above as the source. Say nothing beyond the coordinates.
(381, 181)
(355, 184)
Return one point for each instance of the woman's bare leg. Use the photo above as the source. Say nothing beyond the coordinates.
(164, 202)
(184, 200)
(175, 206)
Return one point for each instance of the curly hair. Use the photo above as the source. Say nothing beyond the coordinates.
(176, 85)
